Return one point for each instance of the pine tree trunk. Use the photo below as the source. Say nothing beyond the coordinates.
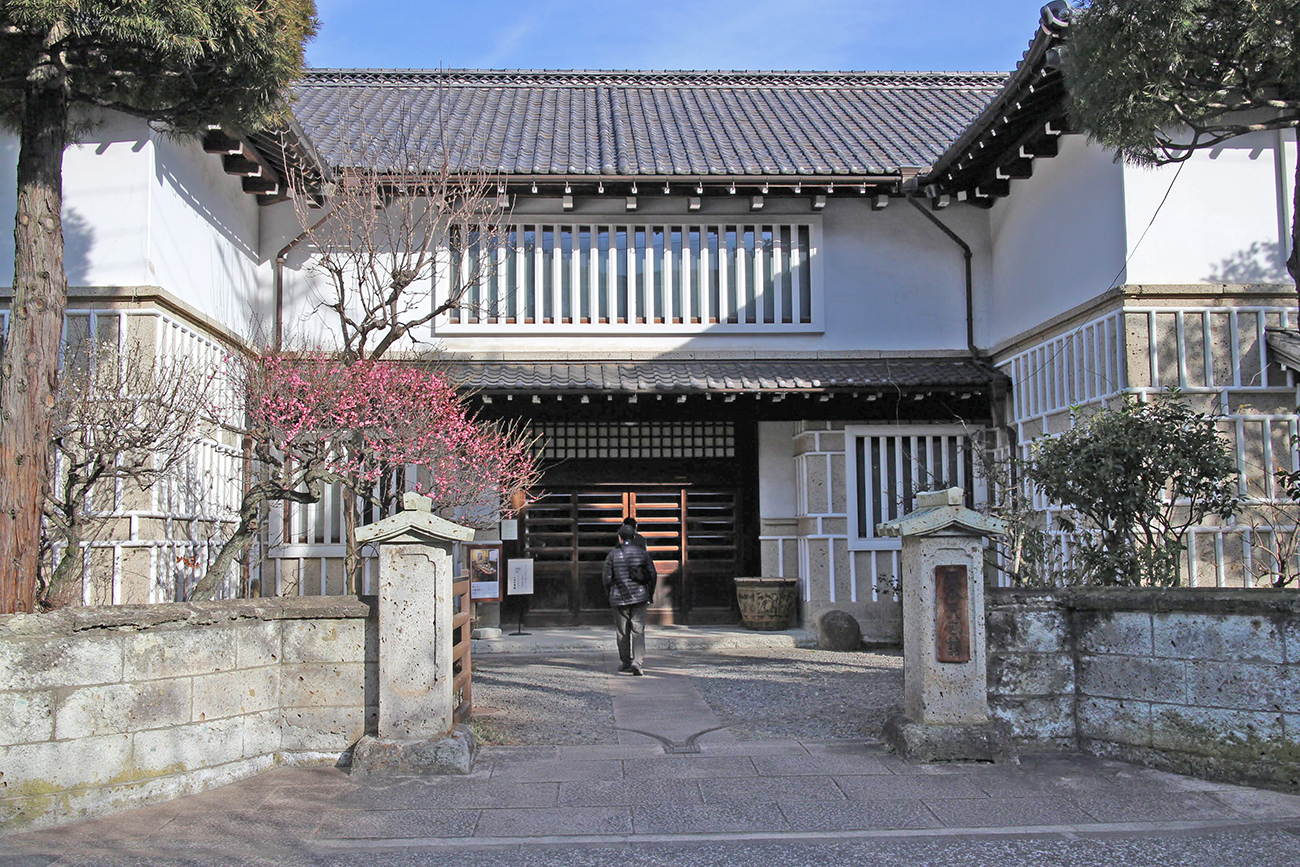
(1293, 261)
(30, 365)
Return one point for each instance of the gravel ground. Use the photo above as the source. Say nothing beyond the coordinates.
(543, 700)
(760, 694)
(801, 694)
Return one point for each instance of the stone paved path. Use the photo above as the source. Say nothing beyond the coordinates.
(677, 790)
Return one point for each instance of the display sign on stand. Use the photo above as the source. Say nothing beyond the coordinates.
(483, 562)
(519, 582)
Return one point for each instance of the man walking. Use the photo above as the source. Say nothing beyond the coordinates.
(629, 579)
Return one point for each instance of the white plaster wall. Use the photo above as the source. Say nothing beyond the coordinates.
(1057, 241)
(203, 242)
(105, 205)
(144, 209)
(891, 281)
(1227, 217)
(8, 203)
(776, 472)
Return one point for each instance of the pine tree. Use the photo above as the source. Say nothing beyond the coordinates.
(1158, 80)
(180, 64)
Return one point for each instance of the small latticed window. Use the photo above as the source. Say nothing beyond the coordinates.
(638, 440)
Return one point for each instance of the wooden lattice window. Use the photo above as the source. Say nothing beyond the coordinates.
(687, 439)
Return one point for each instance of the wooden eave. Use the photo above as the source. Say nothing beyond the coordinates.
(259, 160)
(1024, 122)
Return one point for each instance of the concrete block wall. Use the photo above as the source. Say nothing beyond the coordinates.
(1205, 682)
(104, 709)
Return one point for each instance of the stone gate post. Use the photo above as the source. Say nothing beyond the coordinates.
(417, 731)
(945, 677)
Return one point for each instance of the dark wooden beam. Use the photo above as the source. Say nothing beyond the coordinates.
(215, 141)
(1042, 145)
(260, 185)
(995, 187)
(242, 164)
(1018, 168)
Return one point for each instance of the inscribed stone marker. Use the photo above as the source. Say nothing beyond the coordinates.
(952, 614)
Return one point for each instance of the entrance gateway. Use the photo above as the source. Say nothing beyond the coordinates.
(683, 483)
(732, 467)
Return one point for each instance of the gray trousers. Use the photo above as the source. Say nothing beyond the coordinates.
(629, 620)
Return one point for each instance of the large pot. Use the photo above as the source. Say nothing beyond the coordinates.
(767, 603)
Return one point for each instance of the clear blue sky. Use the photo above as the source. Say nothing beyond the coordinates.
(675, 34)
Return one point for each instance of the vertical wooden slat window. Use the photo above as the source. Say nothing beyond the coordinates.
(566, 273)
(530, 273)
(620, 285)
(804, 278)
(769, 281)
(693, 271)
(602, 284)
(473, 274)
(781, 278)
(511, 267)
(733, 270)
(714, 276)
(548, 276)
(453, 269)
(639, 255)
(492, 306)
(561, 273)
(746, 281)
(584, 271)
(657, 257)
(891, 469)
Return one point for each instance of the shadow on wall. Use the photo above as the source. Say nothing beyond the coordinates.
(78, 239)
(1258, 263)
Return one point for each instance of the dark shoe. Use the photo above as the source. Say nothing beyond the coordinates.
(636, 671)
(624, 669)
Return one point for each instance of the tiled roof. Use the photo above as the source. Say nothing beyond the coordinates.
(647, 123)
(684, 376)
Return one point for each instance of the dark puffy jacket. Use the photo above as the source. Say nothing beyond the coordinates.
(629, 575)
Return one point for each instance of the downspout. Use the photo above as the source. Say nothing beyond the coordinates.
(279, 278)
(996, 395)
(966, 252)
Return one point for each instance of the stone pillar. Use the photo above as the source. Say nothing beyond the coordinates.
(417, 731)
(415, 610)
(945, 675)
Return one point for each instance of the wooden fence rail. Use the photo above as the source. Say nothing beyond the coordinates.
(461, 627)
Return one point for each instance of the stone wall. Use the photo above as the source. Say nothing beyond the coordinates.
(1205, 682)
(104, 709)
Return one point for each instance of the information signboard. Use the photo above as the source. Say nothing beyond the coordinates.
(483, 563)
(519, 579)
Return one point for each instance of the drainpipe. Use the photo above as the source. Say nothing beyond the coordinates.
(996, 394)
(965, 249)
(279, 278)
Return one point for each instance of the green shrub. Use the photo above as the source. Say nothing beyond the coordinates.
(1134, 478)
